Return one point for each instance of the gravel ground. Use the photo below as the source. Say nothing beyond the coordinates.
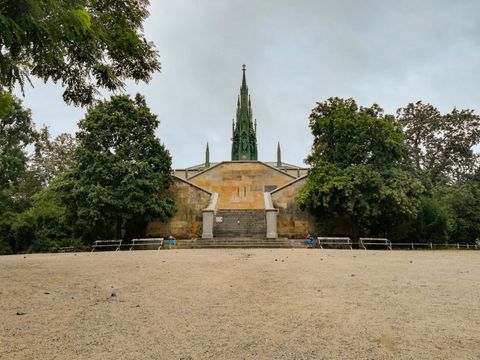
(241, 304)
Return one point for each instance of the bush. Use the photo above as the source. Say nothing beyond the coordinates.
(43, 245)
(433, 221)
(5, 248)
(463, 203)
(43, 226)
(76, 244)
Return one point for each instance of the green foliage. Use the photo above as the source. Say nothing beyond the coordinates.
(52, 157)
(463, 203)
(43, 245)
(16, 132)
(441, 145)
(121, 170)
(7, 240)
(83, 44)
(358, 168)
(346, 135)
(44, 222)
(433, 223)
(6, 103)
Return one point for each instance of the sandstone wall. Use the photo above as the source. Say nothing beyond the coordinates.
(296, 172)
(240, 185)
(187, 222)
(291, 221)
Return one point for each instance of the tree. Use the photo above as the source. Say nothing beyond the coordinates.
(83, 44)
(358, 168)
(433, 223)
(52, 157)
(43, 226)
(121, 170)
(441, 145)
(463, 203)
(17, 131)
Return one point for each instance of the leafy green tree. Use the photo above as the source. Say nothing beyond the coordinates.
(463, 203)
(6, 101)
(358, 168)
(43, 226)
(17, 131)
(441, 145)
(433, 223)
(52, 157)
(121, 170)
(83, 44)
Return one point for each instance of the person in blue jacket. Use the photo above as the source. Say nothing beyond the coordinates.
(309, 241)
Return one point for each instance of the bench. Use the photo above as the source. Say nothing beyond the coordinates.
(107, 244)
(334, 241)
(147, 242)
(375, 241)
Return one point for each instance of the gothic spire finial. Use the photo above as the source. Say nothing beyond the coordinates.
(244, 141)
(244, 79)
(207, 157)
(279, 156)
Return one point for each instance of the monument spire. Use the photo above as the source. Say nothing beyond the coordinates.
(244, 139)
(244, 78)
(279, 156)
(207, 157)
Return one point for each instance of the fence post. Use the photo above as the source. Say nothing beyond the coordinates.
(458, 246)
(431, 246)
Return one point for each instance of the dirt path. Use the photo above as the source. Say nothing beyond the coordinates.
(241, 304)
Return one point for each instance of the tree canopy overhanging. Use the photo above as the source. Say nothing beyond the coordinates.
(83, 44)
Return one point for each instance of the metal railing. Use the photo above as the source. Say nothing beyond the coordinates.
(413, 245)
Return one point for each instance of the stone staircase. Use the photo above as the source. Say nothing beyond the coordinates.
(240, 223)
(239, 228)
(238, 242)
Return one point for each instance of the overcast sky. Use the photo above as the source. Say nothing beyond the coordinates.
(297, 52)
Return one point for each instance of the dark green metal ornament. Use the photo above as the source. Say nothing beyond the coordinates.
(244, 137)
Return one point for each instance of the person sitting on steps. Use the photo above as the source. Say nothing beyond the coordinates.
(309, 241)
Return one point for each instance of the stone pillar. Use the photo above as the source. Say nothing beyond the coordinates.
(207, 225)
(208, 217)
(271, 216)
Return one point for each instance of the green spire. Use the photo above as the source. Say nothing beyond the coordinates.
(244, 139)
(207, 157)
(279, 156)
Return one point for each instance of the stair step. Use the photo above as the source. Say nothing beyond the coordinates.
(240, 242)
(235, 223)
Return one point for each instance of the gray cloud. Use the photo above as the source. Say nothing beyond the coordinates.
(297, 53)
